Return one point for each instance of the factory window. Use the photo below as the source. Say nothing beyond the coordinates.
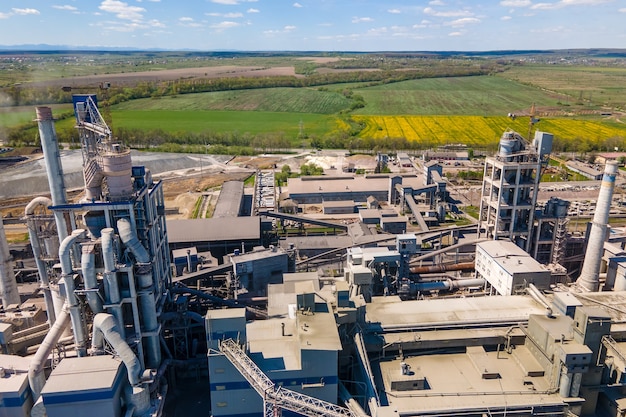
(219, 370)
(222, 404)
(220, 387)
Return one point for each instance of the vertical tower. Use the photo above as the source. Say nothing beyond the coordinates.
(510, 188)
(8, 284)
(588, 279)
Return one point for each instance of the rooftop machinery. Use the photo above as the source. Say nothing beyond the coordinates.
(103, 262)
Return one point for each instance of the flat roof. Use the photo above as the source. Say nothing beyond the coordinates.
(87, 373)
(348, 184)
(511, 257)
(455, 382)
(390, 312)
(213, 229)
(229, 201)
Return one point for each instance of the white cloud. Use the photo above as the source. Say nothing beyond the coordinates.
(566, 3)
(155, 23)
(455, 34)
(226, 15)
(394, 11)
(226, 24)
(25, 11)
(623, 10)
(506, 18)
(122, 10)
(253, 11)
(232, 2)
(361, 19)
(65, 7)
(436, 3)
(449, 13)
(186, 19)
(289, 28)
(298, 5)
(463, 21)
(4, 15)
(515, 3)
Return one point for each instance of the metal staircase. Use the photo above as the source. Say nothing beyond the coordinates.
(276, 398)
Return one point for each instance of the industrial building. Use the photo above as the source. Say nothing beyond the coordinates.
(368, 322)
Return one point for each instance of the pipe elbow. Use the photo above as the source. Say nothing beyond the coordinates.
(36, 202)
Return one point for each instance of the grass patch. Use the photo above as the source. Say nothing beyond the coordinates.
(479, 95)
(289, 100)
(471, 211)
(225, 121)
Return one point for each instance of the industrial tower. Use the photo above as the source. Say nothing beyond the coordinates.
(103, 262)
(510, 188)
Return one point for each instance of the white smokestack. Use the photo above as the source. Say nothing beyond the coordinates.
(54, 169)
(588, 279)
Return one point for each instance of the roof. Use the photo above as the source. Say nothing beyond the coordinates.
(429, 313)
(89, 373)
(229, 201)
(345, 184)
(214, 229)
(511, 257)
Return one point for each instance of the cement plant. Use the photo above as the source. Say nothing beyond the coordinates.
(117, 307)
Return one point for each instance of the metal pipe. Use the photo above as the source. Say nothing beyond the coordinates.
(111, 284)
(54, 169)
(68, 277)
(442, 268)
(145, 291)
(36, 377)
(8, 283)
(129, 237)
(88, 267)
(105, 328)
(35, 243)
(539, 297)
(449, 284)
(589, 279)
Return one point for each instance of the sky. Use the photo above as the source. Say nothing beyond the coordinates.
(316, 25)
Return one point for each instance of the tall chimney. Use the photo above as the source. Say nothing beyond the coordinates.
(54, 169)
(8, 284)
(588, 279)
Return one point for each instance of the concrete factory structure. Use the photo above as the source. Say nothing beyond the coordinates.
(365, 323)
(510, 187)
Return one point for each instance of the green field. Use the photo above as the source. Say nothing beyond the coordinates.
(288, 100)
(480, 95)
(596, 86)
(225, 121)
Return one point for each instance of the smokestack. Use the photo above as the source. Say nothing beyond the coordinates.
(588, 279)
(54, 169)
(8, 284)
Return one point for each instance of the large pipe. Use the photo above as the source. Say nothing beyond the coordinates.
(111, 284)
(36, 377)
(132, 242)
(54, 169)
(68, 277)
(8, 283)
(105, 328)
(88, 267)
(145, 282)
(449, 284)
(35, 243)
(465, 266)
(589, 277)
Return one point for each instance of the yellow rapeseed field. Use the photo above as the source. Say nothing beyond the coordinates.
(479, 130)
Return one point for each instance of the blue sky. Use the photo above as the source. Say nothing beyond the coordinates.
(326, 25)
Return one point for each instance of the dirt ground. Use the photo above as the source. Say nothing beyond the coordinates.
(131, 78)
